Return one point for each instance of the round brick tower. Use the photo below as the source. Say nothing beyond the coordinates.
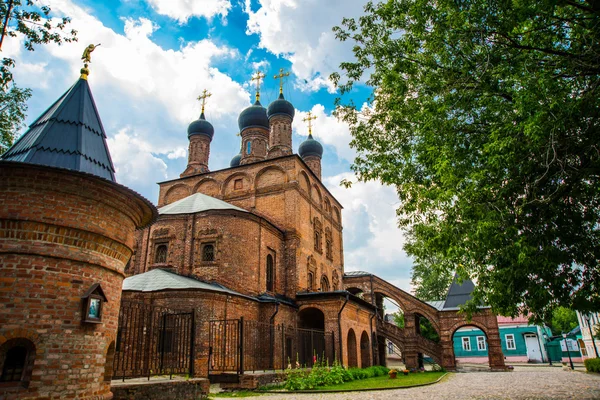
(66, 235)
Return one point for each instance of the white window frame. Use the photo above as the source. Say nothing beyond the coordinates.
(480, 341)
(510, 341)
(466, 343)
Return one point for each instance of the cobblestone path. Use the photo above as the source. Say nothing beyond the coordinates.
(523, 383)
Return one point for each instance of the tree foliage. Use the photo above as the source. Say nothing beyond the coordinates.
(30, 20)
(484, 115)
(563, 320)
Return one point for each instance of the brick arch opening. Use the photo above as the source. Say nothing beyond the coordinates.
(425, 328)
(108, 365)
(351, 344)
(470, 345)
(365, 350)
(311, 318)
(17, 357)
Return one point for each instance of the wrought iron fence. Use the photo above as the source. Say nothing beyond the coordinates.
(239, 345)
(153, 341)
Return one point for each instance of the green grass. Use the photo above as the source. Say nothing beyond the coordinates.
(241, 393)
(379, 382)
(385, 382)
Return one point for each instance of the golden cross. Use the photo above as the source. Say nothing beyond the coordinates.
(310, 118)
(280, 77)
(203, 98)
(257, 78)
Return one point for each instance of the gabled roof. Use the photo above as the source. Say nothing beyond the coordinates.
(68, 135)
(159, 279)
(196, 203)
(459, 294)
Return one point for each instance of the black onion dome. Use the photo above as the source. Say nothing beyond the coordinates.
(281, 107)
(253, 116)
(310, 147)
(235, 161)
(201, 127)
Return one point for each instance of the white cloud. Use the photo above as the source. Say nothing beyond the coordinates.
(177, 153)
(301, 31)
(182, 10)
(372, 239)
(135, 164)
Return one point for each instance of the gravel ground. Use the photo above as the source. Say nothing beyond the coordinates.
(522, 383)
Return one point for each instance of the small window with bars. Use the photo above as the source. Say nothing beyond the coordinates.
(208, 252)
(160, 257)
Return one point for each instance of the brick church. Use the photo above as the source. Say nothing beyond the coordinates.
(238, 270)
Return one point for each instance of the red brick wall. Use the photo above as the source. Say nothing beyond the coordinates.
(280, 138)
(61, 232)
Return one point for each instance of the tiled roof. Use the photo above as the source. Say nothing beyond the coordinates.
(68, 135)
(459, 294)
(196, 203)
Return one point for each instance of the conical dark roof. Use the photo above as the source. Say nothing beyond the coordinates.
(459, 294)
(68, 135)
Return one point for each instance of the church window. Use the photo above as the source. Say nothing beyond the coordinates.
(208, 252)
(270, 273)
(466, 343)
(318, 234)
(324, 284)
(328, 244)
(14, 364)
(309, 282)
(160, 256)
(248, 147)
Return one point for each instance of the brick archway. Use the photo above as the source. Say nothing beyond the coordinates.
(351, 346)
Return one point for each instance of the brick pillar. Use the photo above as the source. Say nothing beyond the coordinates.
(314, 163)
(61, 232)
(198, 154)
(410, 349)
(255, 142)
(280, 138)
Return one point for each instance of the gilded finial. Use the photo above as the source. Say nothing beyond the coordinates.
(280, 77)
(310, 118)
(257, 78)
(205, 94)
(86, 58)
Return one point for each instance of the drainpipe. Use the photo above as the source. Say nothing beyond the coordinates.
(340, 323)
(373, 337)
(272, 338)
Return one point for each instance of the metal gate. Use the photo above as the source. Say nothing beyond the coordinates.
(237, 346)
(153, 341)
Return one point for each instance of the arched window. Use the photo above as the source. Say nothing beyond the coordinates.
(324, 284)
(208, 252)
(310, 282)
(270, 273)
(14, 364)
(248, 147)
(328, 244)
(318, 233)
(335, 280)
(161, 254)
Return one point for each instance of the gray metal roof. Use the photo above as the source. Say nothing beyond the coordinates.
(159, 279)
(69, 135)
(196, 203)
(357, 273)
(437, 304)
(459, 294)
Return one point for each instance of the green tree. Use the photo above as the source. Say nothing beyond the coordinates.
(431, 275)
(398, 317)
(33, 22)
(485, 117)
(563, 320)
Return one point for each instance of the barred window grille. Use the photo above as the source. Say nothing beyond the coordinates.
(14, 364)
(161, 254)
(208, 252)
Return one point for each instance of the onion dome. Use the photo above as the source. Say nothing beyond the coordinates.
(281, 107)
(253, 116)
(310, 147)
(201, 127)
(235, 161)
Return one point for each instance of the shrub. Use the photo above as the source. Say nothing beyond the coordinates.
(592, 364)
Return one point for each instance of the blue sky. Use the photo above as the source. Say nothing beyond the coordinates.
(157, 56)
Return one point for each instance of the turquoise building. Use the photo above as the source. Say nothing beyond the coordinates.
(521, 342)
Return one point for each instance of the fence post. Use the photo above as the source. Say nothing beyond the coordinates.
(241, 346)
(282, 347)
(193, 344)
